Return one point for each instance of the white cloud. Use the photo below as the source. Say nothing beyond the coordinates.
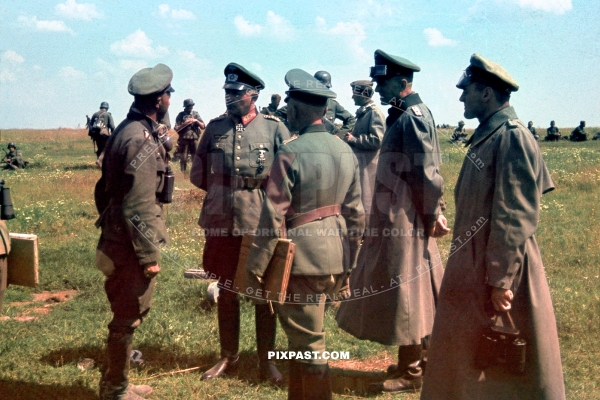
(137, 45)
(256, 67)
(43, 25)
(352, 33)
(133, 65)
(186, 55)
(279, 27)
(11, 56)
(246, 28)
(553, 6)
(166, 11)
(163, 9)
(74, 10)
(192, 60)
(71, 73)
(275, 26)
(436, 39)
(7, 76)
(376, 8)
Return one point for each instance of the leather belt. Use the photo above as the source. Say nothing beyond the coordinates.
(241, 182)
(304, 218)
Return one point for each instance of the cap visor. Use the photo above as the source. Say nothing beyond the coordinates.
(234, 86)
(463, 81)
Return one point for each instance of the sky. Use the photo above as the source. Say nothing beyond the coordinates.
(60, 59)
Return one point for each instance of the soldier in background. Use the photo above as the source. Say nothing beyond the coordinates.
(365, 139)
(334, 109)
(100, 127)
(460, 133)
(552, 133)
(596, 136)
(128, 198)
(232, 160)
(14, 159)
(188, 125)
(313, 186)
(579, 134)
(532, 130)
(271, 109)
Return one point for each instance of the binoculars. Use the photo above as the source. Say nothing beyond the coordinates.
(6, 206)
(501, 345)
(166, 194)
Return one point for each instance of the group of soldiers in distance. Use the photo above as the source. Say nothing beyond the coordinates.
(552, 133)
(190, 126)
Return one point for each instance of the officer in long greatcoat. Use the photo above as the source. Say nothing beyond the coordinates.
(495, 264)
(365, 139)
(132, 222)
(395, 284)
(313, 191)
(233, 158)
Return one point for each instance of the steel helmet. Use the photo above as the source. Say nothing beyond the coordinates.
(324, 77)
(104, 105)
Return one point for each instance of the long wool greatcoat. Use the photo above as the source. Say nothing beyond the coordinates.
(396, 281)
(497, 201)
(368, 134)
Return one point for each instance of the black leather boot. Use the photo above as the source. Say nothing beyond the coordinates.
(393, 368)
(224, 365)
(316, 384)
(228, 315)
(266, 327)
(406, 375)
(295, 388)
(114, 384)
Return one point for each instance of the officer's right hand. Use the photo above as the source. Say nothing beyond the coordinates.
(150, 271)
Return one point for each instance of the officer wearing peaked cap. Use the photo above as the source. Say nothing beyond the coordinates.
(365, 138)
(499, 269)
(233, 158)
(408, 206)
(314, 186)
(129, 202)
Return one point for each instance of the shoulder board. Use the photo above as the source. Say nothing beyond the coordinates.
(294, 137)
(220, 117)
(512, 123)
(417, 111)
(272, 117)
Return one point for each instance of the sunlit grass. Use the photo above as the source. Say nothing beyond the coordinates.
(54, 199)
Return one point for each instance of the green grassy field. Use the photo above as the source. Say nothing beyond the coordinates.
(54, 199)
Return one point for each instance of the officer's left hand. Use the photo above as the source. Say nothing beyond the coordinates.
(440, 228)
(254, 289)
(348, 137)
(341, 289)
